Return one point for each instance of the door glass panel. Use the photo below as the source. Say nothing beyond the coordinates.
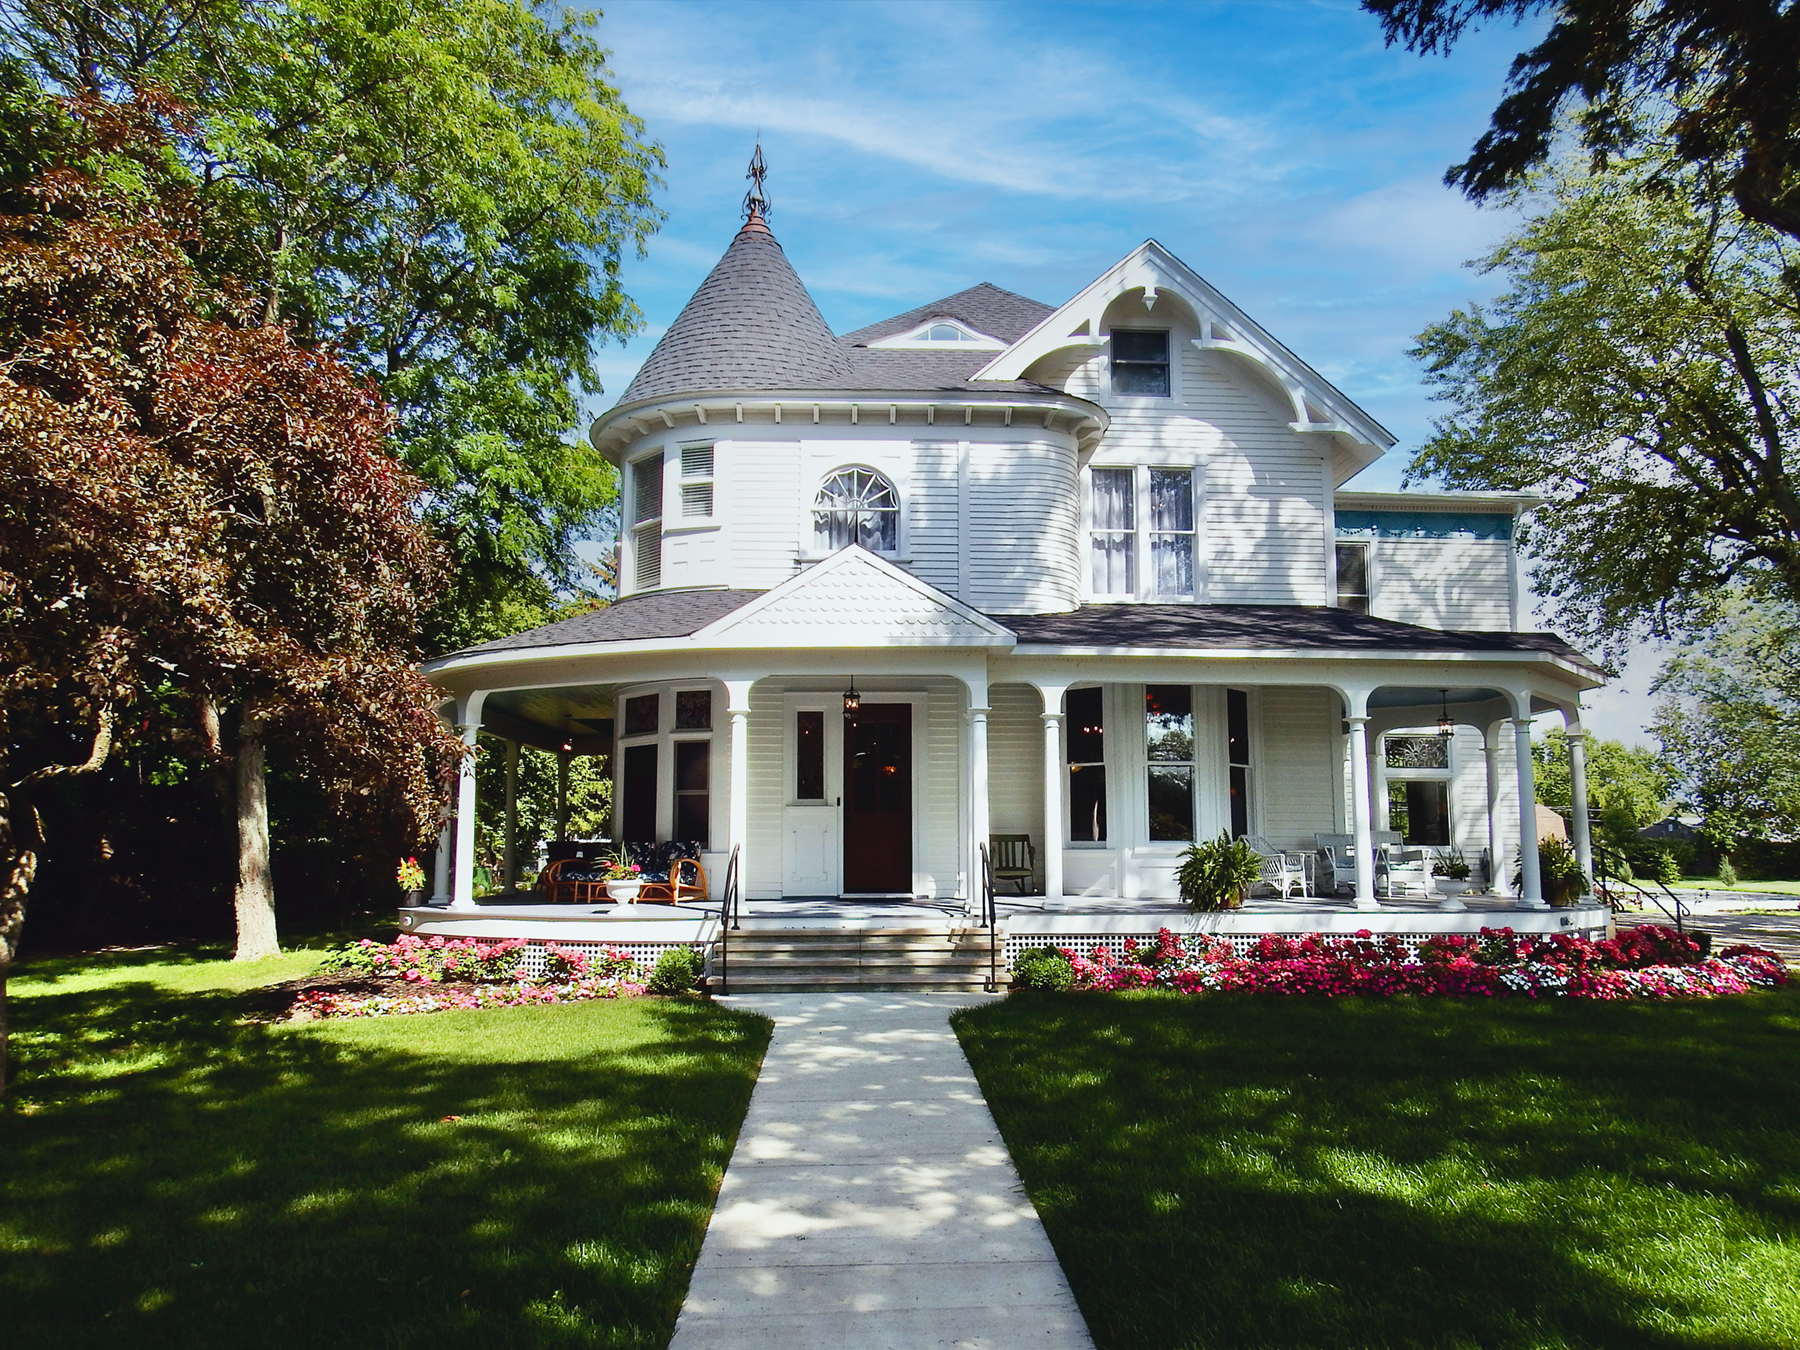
(809, 757)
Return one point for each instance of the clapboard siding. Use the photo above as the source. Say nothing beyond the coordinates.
(1443, 583)
(1016, 764)
(759, 495)
(1021, 536)
(935, 516)
(1300, 759)
(768, 793)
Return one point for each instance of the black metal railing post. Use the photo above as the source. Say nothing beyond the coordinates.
(990, 916)
(727, 906)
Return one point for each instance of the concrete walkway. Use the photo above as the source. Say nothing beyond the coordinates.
(870, 1202)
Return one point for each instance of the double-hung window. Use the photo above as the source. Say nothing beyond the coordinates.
(1353, 577)
(646, 521)
(696, 482)
(1169, 750)
(1126, 503)
(1237, 757)
(1085, 735)
(1140, 362)
(645, 806)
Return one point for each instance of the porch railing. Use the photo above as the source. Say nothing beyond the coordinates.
(990, 919)
(728, 920)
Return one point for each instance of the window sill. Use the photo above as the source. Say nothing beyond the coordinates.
(690, 527)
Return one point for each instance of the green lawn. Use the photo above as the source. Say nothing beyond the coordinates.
(1239, 1172)
(1767, 887)
(175, 1177)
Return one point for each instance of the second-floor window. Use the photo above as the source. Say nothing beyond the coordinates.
(1140, 362)
(646, 522)
(857, 506)
(1353, 577)
(1115, 523)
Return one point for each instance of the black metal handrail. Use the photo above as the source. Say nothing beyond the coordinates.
(990, 918)
(728, 909)
(1609, 881)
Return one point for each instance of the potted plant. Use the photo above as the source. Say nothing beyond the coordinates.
(1558, 869)
(412, 880)
(1450, 871)
(1218, 874)
(623, 879)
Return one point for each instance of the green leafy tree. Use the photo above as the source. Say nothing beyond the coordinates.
(589, 801)
(1730, 721)
(444, 191)
(1627, 783)
(1638, 371)
(1714, 82)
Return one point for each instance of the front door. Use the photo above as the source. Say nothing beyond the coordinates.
(878, 800)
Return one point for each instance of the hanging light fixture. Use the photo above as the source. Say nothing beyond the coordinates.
(852, 699)
(1446, 723)
(568, 732)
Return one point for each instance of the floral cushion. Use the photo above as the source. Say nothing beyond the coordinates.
(654, 860)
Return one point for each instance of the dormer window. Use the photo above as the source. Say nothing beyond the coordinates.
(939, 334)
(857, 506)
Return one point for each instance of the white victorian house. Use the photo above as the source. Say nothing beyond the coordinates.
(1094, 575)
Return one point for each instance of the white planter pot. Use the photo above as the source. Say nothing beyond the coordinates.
(623, 890)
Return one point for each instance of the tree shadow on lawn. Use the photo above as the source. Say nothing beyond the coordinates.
(178, 1178)
(1235, 1171)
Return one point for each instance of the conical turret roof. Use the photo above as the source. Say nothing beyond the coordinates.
(751, 325)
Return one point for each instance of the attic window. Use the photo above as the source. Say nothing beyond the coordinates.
(1140, 362)
(938, 334)
(947, 332)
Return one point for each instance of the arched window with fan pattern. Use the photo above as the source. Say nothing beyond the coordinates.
(857, 506)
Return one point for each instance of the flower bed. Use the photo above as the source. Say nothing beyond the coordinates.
(1645, 962)
(439, 974)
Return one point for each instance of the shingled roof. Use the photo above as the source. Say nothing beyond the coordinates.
(663, 614)
(1266, 627)
(751, 325)
(986, 308)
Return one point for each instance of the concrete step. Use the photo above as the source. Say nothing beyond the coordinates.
(807, 984)
(792, 960)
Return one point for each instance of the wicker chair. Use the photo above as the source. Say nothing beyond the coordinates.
(671, 871)
(571, 881)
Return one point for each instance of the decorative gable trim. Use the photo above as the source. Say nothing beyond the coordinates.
(1319, 408)
(855, 599)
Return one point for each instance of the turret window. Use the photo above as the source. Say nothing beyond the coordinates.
(857, 506)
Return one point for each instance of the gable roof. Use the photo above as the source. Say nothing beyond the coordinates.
(986, 308)
(856, 599)
(751, 325)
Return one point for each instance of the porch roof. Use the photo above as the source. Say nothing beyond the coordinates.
(1266, 627)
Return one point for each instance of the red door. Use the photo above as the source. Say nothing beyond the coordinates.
(878, 799)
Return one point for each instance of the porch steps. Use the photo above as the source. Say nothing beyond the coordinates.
(940, 959)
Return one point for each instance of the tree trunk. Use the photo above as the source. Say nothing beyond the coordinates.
(255, 899)
(21, 866)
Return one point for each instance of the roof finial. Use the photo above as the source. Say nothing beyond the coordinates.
(755, 203)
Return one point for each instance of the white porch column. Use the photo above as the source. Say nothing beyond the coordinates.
(737, 704)
(978, 790)
(1578, 802)
(512, 815)
(1532, 891)
(562, 795)
(462, 882)
(1359, 811)
(1490, 752)
(1053, 790)
(440, 872)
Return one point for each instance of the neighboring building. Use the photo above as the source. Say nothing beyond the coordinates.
(1091, 570)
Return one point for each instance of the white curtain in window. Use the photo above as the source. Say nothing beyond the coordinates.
(1114, 523)
(1172, 531)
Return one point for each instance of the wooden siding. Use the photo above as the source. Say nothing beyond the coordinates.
(935, 516)
(758, 495)
(1300, 758)
(1020, 538)
(1443, 583)
(1016, 765)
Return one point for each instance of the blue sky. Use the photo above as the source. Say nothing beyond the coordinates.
(917, 148)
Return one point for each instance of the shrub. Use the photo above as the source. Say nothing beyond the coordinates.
(1219, 873)
(1042, 968)
(1728, 875)
(430, 960)
(678, 971)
